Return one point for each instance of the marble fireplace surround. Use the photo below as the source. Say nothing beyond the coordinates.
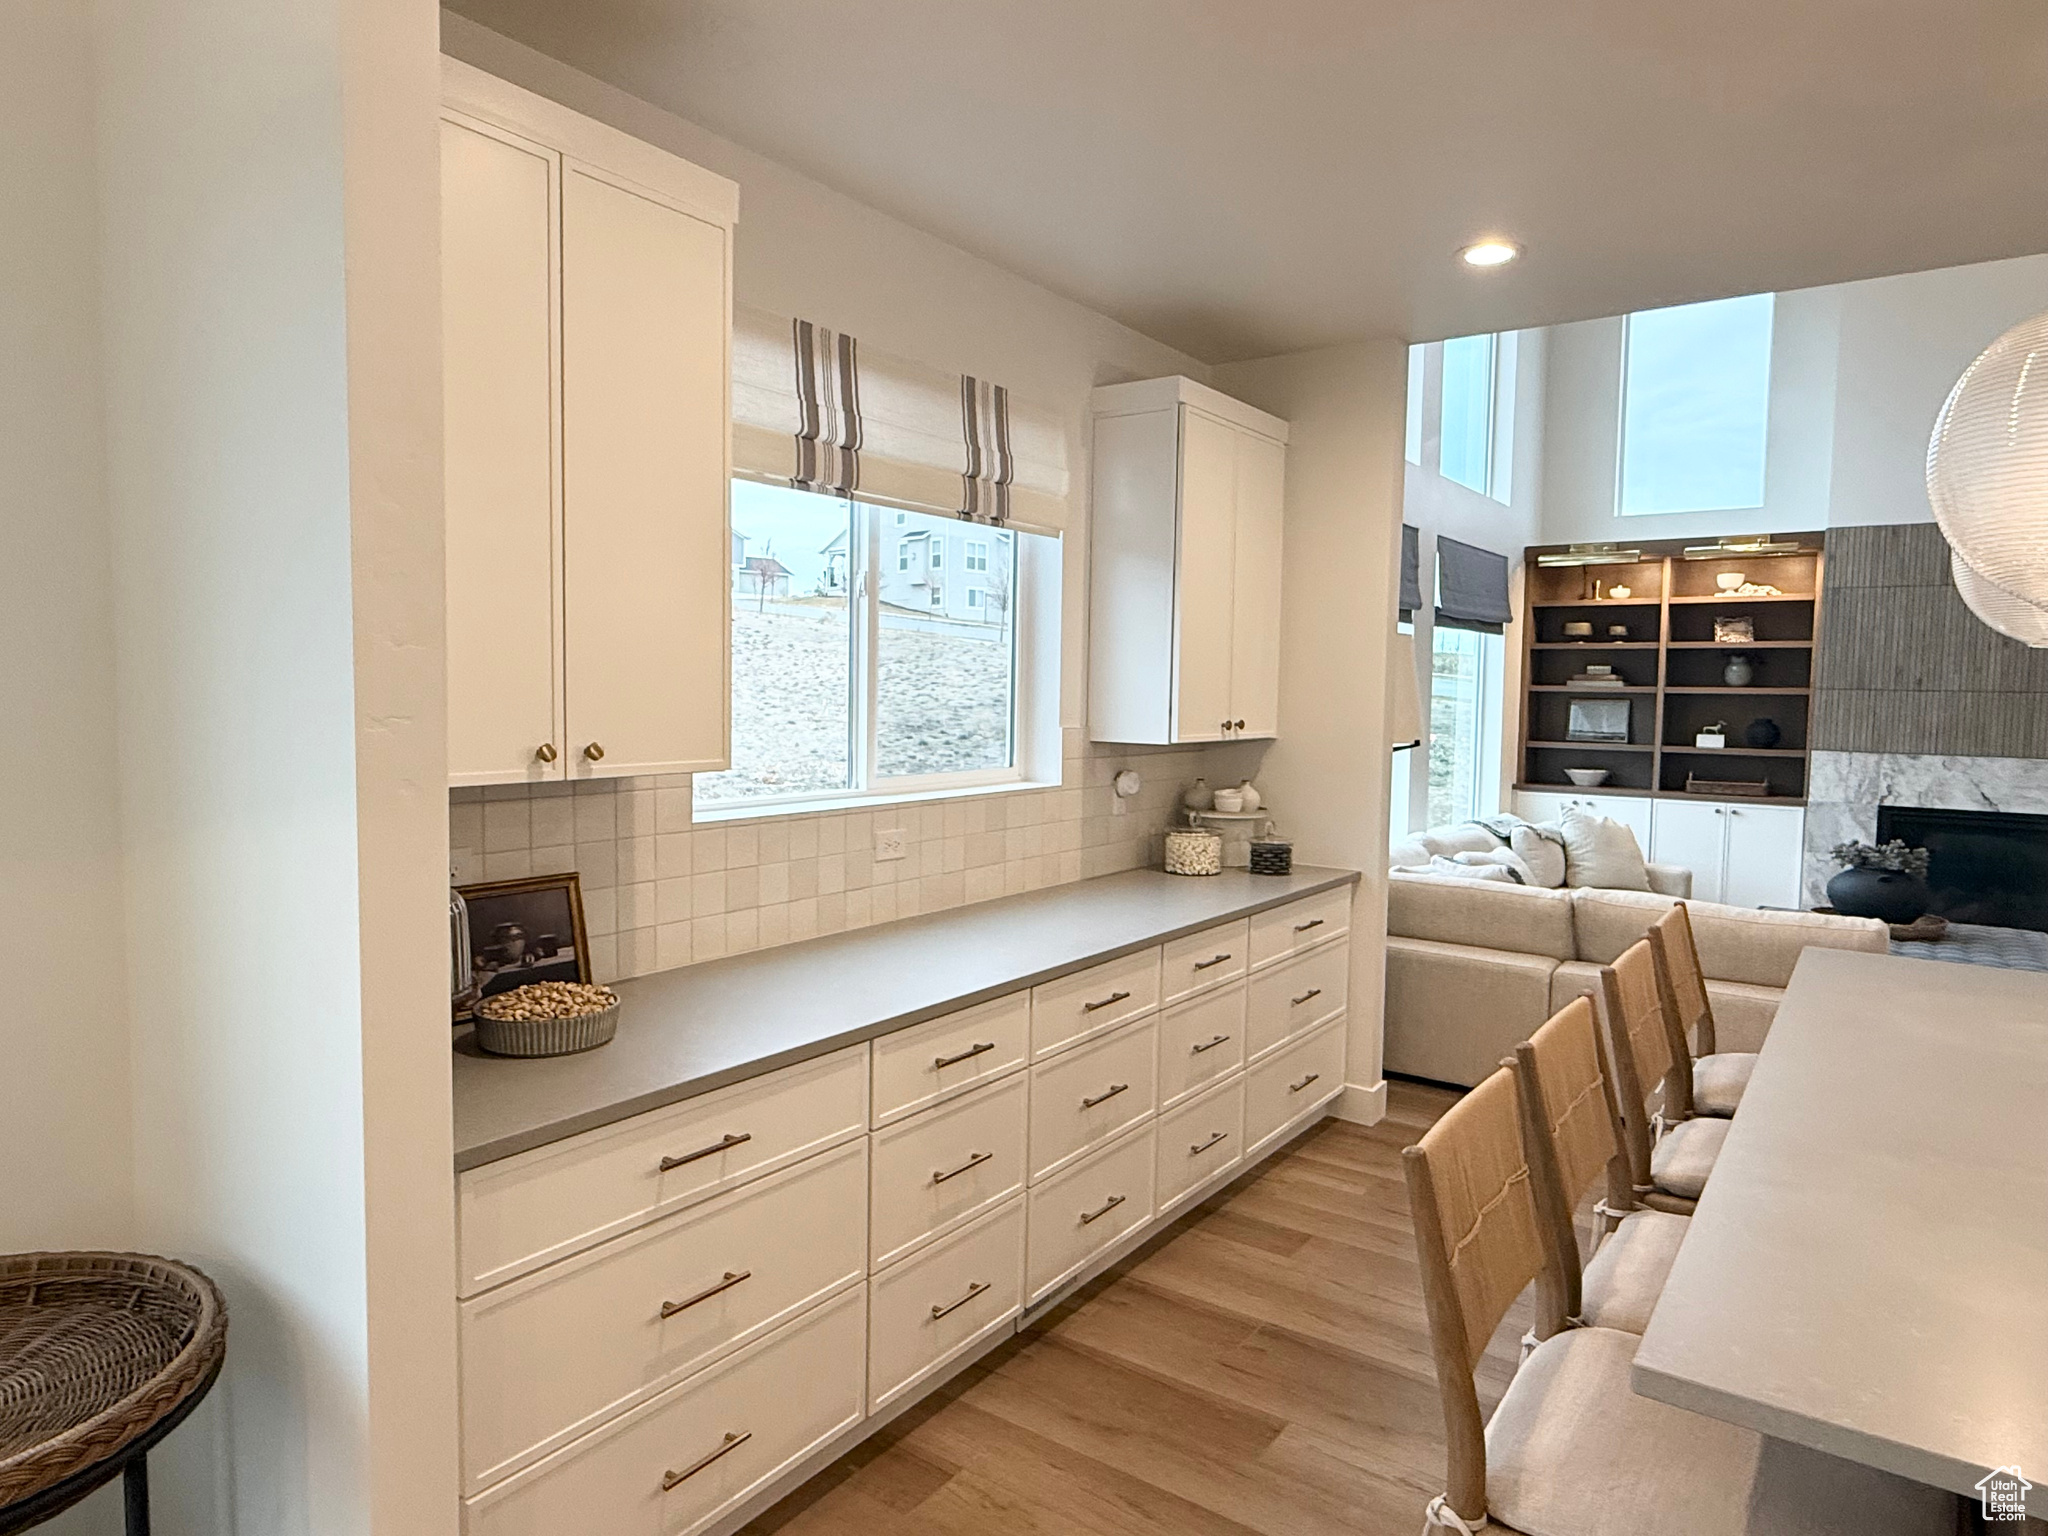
(1844, 790)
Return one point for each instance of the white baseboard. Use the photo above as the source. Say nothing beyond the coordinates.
(1362, 1106)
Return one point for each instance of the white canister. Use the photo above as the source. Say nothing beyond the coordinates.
(1194, 851)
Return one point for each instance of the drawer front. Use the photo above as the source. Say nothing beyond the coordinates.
(1086, 1209)
(1300, 924)
(1205, 959)
(521, 1212)
(943, 1168)
(1090, 1002)
(713, 1440)
(1201, 1139)
(929, 1310)
(1199, 1042)
(553, 1354)
(1297, 995)
(1295, 1079)
(1090, 1095)
(931, 1062)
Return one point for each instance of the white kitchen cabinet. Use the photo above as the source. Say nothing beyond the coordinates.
(1187, 515)
(1744, 855)
(586, 337)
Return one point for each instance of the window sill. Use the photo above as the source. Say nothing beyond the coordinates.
(703, 815)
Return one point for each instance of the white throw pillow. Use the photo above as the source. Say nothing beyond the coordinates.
(1506, 858)
(1443, 866)
(1543, 856)
(1602, 853)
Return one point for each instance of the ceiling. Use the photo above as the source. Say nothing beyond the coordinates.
(1243, 179)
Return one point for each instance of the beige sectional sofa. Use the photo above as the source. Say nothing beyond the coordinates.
(1474, 967)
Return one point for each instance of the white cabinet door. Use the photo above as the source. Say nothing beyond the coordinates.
(1632, 811)
(1206, 578)
(498, 367)
(1693, 834)
(645, 454)
(1765, 844)
(1532, 806)
(1255, 610)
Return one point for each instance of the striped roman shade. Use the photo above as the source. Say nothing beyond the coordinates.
(814, 409)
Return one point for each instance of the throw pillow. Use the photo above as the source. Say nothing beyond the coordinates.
(1602, 853)
(1439, 865)
(1544, 856)
(1506, 858)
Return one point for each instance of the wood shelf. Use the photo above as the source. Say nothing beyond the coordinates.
(1593, 645)
(1601, 602)
(1768, 693)
(1727, 597)
(1533, 787)
(1677, 751)
(1624, 692)
(1738, 645)
(1593, 746)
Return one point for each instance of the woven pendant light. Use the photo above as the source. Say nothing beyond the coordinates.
(1987, 467)
(2012, 616)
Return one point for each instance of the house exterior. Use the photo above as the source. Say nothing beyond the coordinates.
(761, 576)
(953, 571)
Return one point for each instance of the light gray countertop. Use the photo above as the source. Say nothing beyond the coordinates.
(688, 1031)
(1867, 1272)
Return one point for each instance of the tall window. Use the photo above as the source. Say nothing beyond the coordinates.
(1464, 724)
(854, 670)
(1695, 406)
(1466, 435)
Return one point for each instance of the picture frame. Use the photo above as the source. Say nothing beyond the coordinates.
(523, 931)
(1598, 720)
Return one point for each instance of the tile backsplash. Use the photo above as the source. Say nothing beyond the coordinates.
(660, 890)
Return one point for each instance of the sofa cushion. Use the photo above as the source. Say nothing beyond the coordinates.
(1455, 1010)
(1543, 855)
(1744, 944)
(1574, 979)
(1607, 922)
(1506, 917)
(1457, 869)
(1602, 852)
(1742, 1013)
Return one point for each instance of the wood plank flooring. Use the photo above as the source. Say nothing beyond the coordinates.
(1263, 1366)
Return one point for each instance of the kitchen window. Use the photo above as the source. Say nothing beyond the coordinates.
(852, 678)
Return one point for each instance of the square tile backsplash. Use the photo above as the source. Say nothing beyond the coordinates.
(660, 890)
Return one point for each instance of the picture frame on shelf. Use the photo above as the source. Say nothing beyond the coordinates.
(523, 931)
(1598, 720)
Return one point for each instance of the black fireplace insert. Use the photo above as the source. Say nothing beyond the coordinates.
(1986, 867)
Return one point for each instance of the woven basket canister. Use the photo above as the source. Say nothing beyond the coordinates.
(1194, 851)
(1272, 856)
(547, 1037)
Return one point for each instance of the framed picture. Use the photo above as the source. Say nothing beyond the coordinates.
(1598, 720)
(523, 931)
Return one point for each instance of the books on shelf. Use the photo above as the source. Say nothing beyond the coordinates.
(1596, 677)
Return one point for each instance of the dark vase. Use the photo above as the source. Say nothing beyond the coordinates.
(1762, 733)
(1888, 894)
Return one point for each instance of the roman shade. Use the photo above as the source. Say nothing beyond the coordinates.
(1472, 587)
(1411, 572)
(814, 409)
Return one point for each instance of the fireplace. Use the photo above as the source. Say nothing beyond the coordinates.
(1984, 866)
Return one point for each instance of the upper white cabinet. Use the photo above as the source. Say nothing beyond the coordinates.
(1184, 634)
(586, 301)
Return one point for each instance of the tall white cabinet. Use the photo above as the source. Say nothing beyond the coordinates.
(586, 293)
(1184, 631)
(1742, 853)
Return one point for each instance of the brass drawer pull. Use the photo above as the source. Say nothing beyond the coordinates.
(1209, 1045)
(1203, 965)
(1103, 1210)
(973, 1291)
(1311, 992)
(1297, 1087)
(724, 1143)
(1314, 922)
(1104, 1097)
(979, 1048)
(731, 1442)
(1114, 997)
(1203, 1146)
(974, 1160)
(732, 1278)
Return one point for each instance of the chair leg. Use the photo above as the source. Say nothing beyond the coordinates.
(135, 1495)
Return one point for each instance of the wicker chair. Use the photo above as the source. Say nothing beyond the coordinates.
(101, 1356)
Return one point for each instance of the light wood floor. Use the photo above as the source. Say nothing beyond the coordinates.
(1263, 1366)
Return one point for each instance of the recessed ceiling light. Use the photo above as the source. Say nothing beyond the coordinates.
(1490, 253)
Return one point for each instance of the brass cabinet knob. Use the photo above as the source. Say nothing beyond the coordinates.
(1237, 725)
(1225, 725)
(594, 752)
(545, 751)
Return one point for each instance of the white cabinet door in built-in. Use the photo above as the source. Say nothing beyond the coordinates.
(1693, 834)
(1206, 578)
(1765, 849)
(1255, 608)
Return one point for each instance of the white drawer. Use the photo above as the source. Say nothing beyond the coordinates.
(1089, 1002)
(1199, 1042)
(1086, 1209)
(1205, 959)
(1299, 1078)
(946, 1056)
(1201, 1139)
(521, 1212)
(1297, 995)
(1281, 931)
(553, 1354)
(1091, 1094)
(712, 1440)
(928, 1311)
(941, 1169)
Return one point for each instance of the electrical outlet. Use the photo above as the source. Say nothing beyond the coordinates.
(888, 844)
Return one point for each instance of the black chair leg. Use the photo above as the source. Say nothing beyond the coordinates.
(135, 1495)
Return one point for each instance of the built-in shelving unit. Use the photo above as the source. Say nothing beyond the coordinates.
(1659, 638)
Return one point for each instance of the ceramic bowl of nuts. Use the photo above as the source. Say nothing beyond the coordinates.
(547, 1018)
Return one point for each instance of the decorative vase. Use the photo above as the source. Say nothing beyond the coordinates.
(1890, 895)
(1739, 673)
(1252, 799)
(1198, 797)
(1763, 733)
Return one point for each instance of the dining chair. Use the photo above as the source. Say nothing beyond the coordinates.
(1568, 1139)
(1703, 1081)
(1572, 1450)
(1670, 1155)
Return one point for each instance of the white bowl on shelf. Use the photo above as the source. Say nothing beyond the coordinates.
(1587, 778)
